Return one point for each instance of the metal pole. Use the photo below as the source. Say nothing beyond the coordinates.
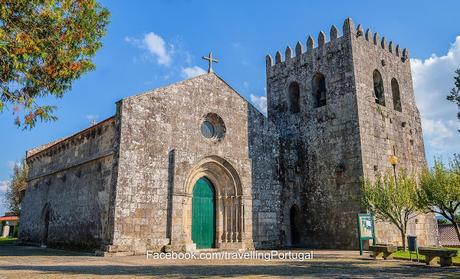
(394, 172)
(359, 236)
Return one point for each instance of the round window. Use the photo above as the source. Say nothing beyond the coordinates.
(213, 127)
(207, 129)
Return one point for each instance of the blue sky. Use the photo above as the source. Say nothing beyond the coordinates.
(154, 43)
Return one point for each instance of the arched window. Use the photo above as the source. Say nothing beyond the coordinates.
(379, 94)
(294, 97)
(396, 95)
(319, 90)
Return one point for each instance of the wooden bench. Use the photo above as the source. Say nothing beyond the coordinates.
(384, 251)
(445, 255)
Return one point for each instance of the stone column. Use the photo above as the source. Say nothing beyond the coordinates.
(243, 234)
(237, 219)
(225, 230)
(232, 221)
(219, 219)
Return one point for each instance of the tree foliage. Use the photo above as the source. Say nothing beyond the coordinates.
(44, 46)
(17, 186)
(440, 190)
(392, 199)
(454, 95)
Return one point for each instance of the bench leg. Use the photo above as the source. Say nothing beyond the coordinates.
(446, 261)
(378, 255)
(387, 256)
(430, 260)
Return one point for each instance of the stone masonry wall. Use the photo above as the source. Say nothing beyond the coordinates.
(386, 131)
(266, 189)
(70, 180)
(160, 144)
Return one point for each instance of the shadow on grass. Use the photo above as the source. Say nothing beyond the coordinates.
(27, 251)
(7, 241)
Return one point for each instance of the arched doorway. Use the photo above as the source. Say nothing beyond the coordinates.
(229, 205)
(295, 220)
(203, 214)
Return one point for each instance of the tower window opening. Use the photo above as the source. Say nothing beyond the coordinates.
(396, 95)
(294, 97)
(319, 90)
(379, 92)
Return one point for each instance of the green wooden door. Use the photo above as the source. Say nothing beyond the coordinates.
(203, 214)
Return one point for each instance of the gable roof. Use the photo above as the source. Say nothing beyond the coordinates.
(202, 76)
(41, 148)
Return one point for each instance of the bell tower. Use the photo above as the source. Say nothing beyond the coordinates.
(342, 107)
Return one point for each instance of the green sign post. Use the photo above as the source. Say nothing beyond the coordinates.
(366, 229)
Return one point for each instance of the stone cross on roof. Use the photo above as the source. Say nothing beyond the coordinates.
(210, 60)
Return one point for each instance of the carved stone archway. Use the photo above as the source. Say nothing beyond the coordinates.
(292, 212)
(230, 231)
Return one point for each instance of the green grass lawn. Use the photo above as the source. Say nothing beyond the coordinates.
(7, 240)
(405, 255)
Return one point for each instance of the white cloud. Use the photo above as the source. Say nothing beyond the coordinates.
(92, 116)
(440, 133)
(188, 57)
(189, 72)
(12, 164)
(156, 45)
(433, 80)
(260, 102)
(4, 185)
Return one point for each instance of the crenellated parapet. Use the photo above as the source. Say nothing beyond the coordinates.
(310, 44)
(348, 30)
(381, 42)
(374, 38)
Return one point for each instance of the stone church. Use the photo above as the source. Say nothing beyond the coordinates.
(194, 165)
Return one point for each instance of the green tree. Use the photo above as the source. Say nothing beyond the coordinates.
(440, 190)
(454, 95)
(17, 186)
(44, 46)
(392, 199)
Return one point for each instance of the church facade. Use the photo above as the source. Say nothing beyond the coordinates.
(194, 165)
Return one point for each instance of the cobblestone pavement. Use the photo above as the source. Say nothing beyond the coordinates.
(33, 262)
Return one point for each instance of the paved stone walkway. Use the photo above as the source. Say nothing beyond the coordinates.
(33, 262)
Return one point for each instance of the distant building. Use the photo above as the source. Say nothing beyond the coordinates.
(448, 236)
(8, 224)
